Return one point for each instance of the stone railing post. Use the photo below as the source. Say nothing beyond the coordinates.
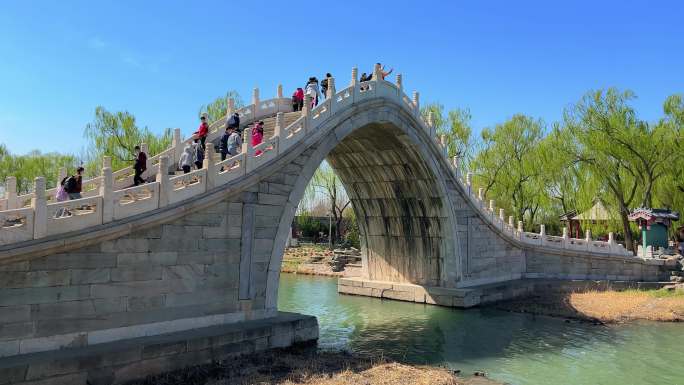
(11, 192)
(542, 230)
(307, 106)
(354, 76)
(39, 205)
(587, 236)
(107, 193)
(416, 101)
(400, 84)
(480, 194)
(469, 181)
(491, 205)
(502, 215)
(106, 162)
(331, 88)
(443, 143)
(247, 144)
(611, 241)
(456, 162)
(510, 222)
(164, 181)
(280, 118)
(279, 91)
(231, 107)
(520, 227)
(377, 72)
(565, 237)
(430, 123)
(255, 100)
(210, 165)
(177, 144)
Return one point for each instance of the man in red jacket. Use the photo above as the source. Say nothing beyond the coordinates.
(202, 131)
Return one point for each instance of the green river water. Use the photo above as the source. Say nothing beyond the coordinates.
(515, 348)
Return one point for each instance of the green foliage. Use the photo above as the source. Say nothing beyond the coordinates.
(116, 134)
(326, 185)
(27, 167)
(509, 166)
(217, 109)
(455, 126)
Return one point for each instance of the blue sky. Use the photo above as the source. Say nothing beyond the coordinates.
(161, 60)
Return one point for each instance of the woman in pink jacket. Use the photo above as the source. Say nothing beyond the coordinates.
(258, 136)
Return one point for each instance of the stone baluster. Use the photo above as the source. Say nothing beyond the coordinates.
(164, 181)
(377, 72)
(400, 84)
(480, 194)
(429, 123)
(443, 143)
(11, 192)
(279, 91)
(491, 206)
(416, 102)
(354, 76)
(565, 237)
(542, 231)
(39, 205)
(280, 118)
(210, 165)
(331, 89)
(255, 100)
(307, 106)
(510, 222)
(456, 162)
(469, 182)
(247, 148)
(520, 227)
(611, 238)
(177, 144)
(231, 107)
(587, 236)
(502, 215)
(107, 190)
(106, 161)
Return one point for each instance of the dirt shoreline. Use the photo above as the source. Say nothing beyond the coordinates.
(604, 307)
(306, 365)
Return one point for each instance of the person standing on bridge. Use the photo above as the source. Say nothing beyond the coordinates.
(324, 85)
(233, 121)
(384, 73)
(203, 130)
(139, 166)
(74, 184)
(199, 154)
(258, 136)
(298, 99)
(312, 91)
(185, 162)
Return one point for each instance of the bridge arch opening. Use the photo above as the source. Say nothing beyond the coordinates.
(400, 200)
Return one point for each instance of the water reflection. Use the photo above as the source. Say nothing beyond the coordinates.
(520, 349)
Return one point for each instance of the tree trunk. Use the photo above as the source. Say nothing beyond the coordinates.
(629, 243)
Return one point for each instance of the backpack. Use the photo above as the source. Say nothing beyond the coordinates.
(232, 122)
(69, 184)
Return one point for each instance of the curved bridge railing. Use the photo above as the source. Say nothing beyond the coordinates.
(108, 198)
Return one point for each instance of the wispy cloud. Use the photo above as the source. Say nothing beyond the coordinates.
(126, 56)
(96, 43)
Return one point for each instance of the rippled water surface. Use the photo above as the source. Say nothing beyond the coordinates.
(519, 349)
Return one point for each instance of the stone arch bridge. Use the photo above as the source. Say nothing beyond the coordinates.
(129, 281)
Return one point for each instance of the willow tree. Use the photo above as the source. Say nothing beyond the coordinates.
(455, 125)
(25, 168)
(510, 169)
(624, 154)
(116, 134)
(217, 109)
(326, 186)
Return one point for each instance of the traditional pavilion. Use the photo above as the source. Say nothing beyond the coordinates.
(597, 214)
(653, 224)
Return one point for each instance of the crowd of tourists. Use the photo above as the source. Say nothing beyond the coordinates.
(230, 143)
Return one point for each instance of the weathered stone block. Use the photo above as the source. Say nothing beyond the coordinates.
(73, 261)
(155, 258)
(133, 273)
(84, 276)
(145, 303)
(38, 295)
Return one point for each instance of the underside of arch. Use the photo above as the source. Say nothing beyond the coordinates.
(398, 204)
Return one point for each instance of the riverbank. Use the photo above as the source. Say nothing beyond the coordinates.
(308, 366)
(314, 260)
(664, 305)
